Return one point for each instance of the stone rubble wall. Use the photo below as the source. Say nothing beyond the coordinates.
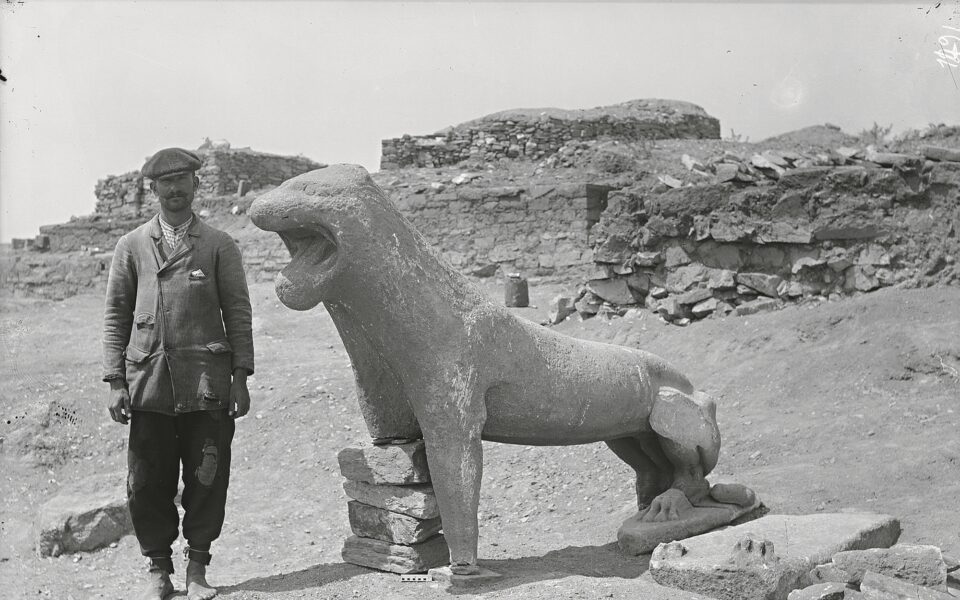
(535, 134)
(223, 170)
(220, 175)
(818, 232)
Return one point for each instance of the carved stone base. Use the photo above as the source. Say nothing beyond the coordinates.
(451, 580)
(636, 537)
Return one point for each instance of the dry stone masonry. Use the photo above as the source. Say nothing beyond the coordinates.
(536, 133)
(778, 235)
(393, 512)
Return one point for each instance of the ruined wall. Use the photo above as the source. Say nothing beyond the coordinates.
(223, 170)
(220, 175)
(536, 229)
(538, 133)
(817, 232)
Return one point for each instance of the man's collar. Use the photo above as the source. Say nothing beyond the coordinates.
(185, 224)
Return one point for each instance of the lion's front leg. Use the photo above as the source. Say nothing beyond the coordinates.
(455, 455)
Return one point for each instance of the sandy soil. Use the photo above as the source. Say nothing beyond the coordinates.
(846, 405)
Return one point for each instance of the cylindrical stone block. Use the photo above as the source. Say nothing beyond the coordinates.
(515, 292)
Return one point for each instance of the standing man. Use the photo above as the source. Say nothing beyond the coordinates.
(178, 347)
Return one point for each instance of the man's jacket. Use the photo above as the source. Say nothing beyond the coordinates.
(176, 328)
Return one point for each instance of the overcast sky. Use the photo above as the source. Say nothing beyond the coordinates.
(94, 87)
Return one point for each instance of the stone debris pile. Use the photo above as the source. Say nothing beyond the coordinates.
(393, 512)
(806, 557)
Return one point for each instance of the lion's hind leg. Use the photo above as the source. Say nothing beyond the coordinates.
(644, 455)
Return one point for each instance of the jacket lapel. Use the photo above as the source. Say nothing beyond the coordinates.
(157, 235)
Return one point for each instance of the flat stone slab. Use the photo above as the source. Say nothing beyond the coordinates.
(415, 500)
(378, 523)
(636, 537)
(396, 558)
(881, 587)
(450, 580)
(920, 565)
(767, 558)
(401, 464)
(83, 517)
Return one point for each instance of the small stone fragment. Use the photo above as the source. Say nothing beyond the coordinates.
(705, 308)
(614, 291)
(880, 587)
(83, 517)
(820, 591)
(561, 307)
(830, 572)
(756, 306)
(922, 565)
(939, 153)
(694, 296)
(726, 172)
(761, 282)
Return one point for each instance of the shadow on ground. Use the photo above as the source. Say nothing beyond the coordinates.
(588, 561)
(312, 577)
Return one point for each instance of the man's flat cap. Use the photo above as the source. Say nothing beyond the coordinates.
(168, 161)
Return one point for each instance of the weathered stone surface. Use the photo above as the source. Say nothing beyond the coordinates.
(414, 500)
(705, 308)
(647, 259)
(755, 306)
(683, 278)
(515, 292)
(940, 153)
(726, 172)
(880, 587)
(762, 282)
(694, 296)
(561, 307)
(83, 517)
(392, 464)
(636, 537)
(769, 557)
(378, 523)
(829, 572)
(396, 558)
(819, 591)
(614, 291)
(722, 279)
(676, 257)
(922, 565)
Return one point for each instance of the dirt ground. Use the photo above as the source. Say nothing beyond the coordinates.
(850, 405)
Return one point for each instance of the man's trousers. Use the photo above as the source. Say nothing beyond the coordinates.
(158, 445)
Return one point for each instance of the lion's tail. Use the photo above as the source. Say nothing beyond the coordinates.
(666, 375)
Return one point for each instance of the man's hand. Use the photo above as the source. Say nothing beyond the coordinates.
(119, 405)
(239, 395)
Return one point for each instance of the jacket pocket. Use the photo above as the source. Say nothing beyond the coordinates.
(135, 355)
(220, 347)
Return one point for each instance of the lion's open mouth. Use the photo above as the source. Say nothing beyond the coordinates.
(310, 248)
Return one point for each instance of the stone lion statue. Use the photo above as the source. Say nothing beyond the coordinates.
(433, 357)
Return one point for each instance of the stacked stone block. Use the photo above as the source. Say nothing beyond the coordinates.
(393, 512)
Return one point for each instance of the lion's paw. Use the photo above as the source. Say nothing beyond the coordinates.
(671, 505)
